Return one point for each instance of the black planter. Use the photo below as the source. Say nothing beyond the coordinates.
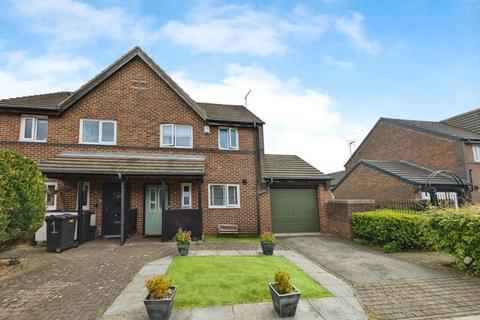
(267, 248)
(159, 309)
(183, 249)
(284, 304)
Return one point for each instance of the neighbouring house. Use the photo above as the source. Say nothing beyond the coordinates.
(412, 160)
(336, 177)
(136, 150)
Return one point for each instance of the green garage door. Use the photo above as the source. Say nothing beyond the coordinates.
(294, 210)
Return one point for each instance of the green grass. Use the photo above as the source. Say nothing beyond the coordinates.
(242, 238)
(225, 280)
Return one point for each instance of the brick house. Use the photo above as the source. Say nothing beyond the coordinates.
(131, 143)
(396, 159)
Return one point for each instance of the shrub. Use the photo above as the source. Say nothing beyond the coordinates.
(384, 226)
(283, 284)
(268, 237)
(457, 233)
(183, 237)
(158, 286)
(22, 196)
(390, 247)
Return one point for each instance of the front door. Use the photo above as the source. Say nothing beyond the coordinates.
(153, 210)
(112, 196)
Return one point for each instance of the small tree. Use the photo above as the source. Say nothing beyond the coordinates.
(22, 196)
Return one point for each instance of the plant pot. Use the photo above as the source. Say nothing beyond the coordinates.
(183, 249)
(159, 309)
(267, 248)
(284, 304)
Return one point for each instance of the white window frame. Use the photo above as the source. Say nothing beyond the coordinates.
(230, 130)
(174, 137)
(476, 153)
(87, 206)
(100, 125)
(226, 205)
(55, 184)
(34, 128)
(182, 193)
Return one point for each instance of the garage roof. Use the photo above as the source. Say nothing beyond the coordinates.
(282, 166)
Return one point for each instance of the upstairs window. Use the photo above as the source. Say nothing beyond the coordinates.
(176, 136)
(34, 129)
(224, 196)
(98, 131)
(476, 153)
(228, 139)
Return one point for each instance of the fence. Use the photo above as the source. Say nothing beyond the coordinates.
(187, 219)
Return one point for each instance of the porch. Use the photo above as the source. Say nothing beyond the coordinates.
(130, 194)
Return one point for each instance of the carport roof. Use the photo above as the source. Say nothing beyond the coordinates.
(120, 163)
(291, 167)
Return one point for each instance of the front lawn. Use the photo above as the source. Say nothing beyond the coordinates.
(225, 280)
(241, 238)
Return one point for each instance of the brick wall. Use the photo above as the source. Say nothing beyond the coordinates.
(139, 114)
(366, 183)
(473, 171)
(337, 219)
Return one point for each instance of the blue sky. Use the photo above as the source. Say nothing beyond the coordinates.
(321, 72)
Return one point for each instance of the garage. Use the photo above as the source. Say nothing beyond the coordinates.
(294, 210)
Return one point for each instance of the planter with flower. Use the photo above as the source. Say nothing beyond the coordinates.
(160, 297)
(285, 296)
(183, 239)
(268, 243)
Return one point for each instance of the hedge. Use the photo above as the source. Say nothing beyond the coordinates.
(392, 229)
(457, 233)
(22, 196)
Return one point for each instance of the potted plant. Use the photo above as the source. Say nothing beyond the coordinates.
(285, 296)
(268, 243)
(159, 299)
(183, 239)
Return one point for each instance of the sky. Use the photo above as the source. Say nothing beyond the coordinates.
(321, 72)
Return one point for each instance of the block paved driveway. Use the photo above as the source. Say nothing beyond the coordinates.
(82, 283)
(390, 287)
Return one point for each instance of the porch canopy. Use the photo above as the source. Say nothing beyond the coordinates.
(122, 165)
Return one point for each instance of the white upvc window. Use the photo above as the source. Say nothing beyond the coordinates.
(34, 129)
(228, 139)
(224, 196)
(476, 153)
(98, 131)
(86, 196)
(186, 189)
(176, 136)
(51, 197)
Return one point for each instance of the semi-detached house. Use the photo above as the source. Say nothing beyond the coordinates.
(131, 140)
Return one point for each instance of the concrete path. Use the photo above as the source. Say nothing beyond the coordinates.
(344, 305)
(390, 287)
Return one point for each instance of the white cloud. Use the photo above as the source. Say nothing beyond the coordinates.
(329, 61)
(299, 120)
(353, 27)
(22, 75)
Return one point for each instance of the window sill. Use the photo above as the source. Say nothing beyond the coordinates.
(98, 144)
(34, 141)
(224, 207)
(175, 147)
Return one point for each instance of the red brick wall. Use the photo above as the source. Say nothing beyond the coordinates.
(337, 219)
(139, 114)
(475, 171)
(366, 183)
(265, 211)
(390, 141)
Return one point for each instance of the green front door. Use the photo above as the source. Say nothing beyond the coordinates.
(153, 210)
(295, 210)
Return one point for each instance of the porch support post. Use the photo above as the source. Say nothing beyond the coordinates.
(164, 206)
(123, 208)
(80, 211)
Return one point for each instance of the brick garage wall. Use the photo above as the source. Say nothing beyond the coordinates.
(323, 196)
(265, 211)
(337, 219)
(474, 168)
(389, 141)
(139, 114)
(366, 183)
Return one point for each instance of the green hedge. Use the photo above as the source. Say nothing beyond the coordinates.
(22, 196)
(392, 229)
(457, 233)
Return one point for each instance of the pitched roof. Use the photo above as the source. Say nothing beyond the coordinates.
(469, 121)
(434, 127)
(280, 166)
(409, 172)
(114, 163)
(58, 102)
(228, 112)
(336, 177)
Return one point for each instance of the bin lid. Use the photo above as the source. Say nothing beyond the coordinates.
(63, 216)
